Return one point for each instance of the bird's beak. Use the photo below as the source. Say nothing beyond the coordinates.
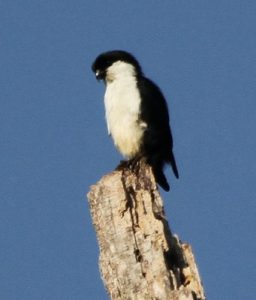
(99, 74)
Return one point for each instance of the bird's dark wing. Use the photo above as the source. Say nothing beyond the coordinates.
(157, 141)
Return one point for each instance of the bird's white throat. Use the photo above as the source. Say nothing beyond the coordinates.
(122, 105)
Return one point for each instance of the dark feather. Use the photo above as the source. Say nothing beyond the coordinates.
(157, 139)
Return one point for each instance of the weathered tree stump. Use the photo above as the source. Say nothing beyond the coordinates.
(139, 256)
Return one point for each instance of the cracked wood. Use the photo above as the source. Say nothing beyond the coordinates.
(139, 256)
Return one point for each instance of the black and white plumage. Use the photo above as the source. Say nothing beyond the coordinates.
(136, 112)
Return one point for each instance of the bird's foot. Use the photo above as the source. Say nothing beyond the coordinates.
(122, 165)
(132, 164)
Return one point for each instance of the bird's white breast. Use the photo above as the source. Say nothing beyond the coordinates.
(122, 105)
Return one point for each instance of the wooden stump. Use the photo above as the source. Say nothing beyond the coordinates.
(139, 256)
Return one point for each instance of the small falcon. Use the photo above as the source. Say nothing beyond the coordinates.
(136, 113)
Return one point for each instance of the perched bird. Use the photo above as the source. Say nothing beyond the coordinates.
(136, 113)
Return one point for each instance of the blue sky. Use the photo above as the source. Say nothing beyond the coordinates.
(54, 142)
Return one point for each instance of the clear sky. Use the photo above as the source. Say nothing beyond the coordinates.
(54, 141)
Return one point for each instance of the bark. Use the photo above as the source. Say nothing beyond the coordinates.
(140, 258)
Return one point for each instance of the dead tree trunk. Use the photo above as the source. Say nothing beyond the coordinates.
(139, 256)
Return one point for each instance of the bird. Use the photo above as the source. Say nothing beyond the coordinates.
(136, 113)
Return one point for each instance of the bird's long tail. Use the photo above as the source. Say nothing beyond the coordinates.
(160, 177)
(174, 166)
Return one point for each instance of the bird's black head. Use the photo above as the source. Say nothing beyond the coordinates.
(107, 59)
